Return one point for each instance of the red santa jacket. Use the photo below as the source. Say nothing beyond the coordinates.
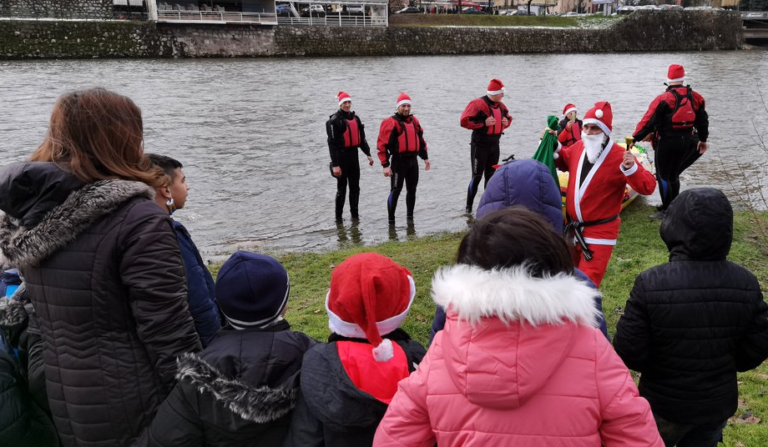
(600, 195)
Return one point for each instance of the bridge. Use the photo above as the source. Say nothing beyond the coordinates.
(755, 25)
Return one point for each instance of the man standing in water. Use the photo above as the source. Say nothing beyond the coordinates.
(486, 117)
(670, 122)
(346, 134)
(599, 171)
(570, 127)
(401, 139)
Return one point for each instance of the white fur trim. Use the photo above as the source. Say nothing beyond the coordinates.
(591, 240)
(405, 101)
(599, 124)
(512, 294)
(352, 330)
(572, 109)
(345, 100)
(582, 190)
(676, 80)
(384, 352)
(629, 171)
(496, 92)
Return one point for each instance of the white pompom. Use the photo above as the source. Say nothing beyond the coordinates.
(384, 352)
(599, 113)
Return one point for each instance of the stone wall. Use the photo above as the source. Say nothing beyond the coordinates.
(58, 9)
(644, 31)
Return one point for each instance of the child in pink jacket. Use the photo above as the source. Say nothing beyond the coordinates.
(520, 361)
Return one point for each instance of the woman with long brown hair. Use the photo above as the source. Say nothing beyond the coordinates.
(102, 267)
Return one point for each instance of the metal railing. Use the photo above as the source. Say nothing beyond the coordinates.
(334, 20)
(265, 18)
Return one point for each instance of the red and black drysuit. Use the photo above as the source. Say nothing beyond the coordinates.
(346, 133)
(485, 140)
(568, 137)
(401, 139)
(673, 116)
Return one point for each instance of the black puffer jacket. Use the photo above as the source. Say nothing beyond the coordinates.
(332, 411)
(237, 393)
(105, 276)
(22, 423)
(21, 329)
(691, 324)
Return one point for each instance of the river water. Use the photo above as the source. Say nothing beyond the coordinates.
(251, 133)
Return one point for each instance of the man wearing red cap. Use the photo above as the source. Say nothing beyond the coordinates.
(486, 117)
(401, 140)
(599, 171)
(678, 126)
(346, 134)
(347, 384)
(570, 127)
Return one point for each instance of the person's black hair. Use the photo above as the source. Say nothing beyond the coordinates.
(512, 237)
(167, 164)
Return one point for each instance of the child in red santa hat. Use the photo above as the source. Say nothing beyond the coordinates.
(347, 384)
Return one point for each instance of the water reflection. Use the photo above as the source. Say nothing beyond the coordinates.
(258, 158)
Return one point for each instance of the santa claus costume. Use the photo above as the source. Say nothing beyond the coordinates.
(596, 186)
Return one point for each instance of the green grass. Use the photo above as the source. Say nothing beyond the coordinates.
(639, 248)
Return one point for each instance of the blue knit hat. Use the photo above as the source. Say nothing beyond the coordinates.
(252, 290)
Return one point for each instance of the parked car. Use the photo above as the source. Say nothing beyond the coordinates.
(520, 12)
(471, 10)
(355, 10)
(283, 9)
(315, 10)
(409, 10)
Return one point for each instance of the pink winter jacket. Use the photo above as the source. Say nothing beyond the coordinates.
(545, 377)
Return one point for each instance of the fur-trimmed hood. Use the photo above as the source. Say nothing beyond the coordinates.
(63, 223)
(255, 404)
(507, 332)
(514, 295)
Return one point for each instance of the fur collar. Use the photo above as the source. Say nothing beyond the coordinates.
(14, 313)
(260, 405)
(514, 295)
(24, 247)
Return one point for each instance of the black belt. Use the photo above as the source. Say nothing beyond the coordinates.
(576, 227)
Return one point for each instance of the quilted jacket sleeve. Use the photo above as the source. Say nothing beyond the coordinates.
(406, 421)
(633, 332)
(627, 420)
(752, 350)
(152, 270)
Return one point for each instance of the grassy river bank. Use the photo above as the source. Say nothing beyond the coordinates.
(639, 248)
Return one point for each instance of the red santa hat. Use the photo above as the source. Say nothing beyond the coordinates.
(403, 99)
(370, 296)
(601, 115)
(568, 109)
(343, 97)
(496, 87)
(676, 73)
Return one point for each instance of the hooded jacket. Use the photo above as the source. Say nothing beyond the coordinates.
(104, 273)
(526, 183)
(518, 363)
(691, 324)
(332, 410)
(238, 392)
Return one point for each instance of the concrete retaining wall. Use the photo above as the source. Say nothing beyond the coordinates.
(641, 31)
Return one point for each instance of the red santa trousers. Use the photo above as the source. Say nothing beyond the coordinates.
(594, 268)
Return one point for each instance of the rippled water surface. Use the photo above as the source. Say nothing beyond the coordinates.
(251, 132)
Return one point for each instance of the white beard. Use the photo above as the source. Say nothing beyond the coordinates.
(593, 145)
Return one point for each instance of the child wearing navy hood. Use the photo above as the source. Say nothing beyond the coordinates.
(240, 390)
